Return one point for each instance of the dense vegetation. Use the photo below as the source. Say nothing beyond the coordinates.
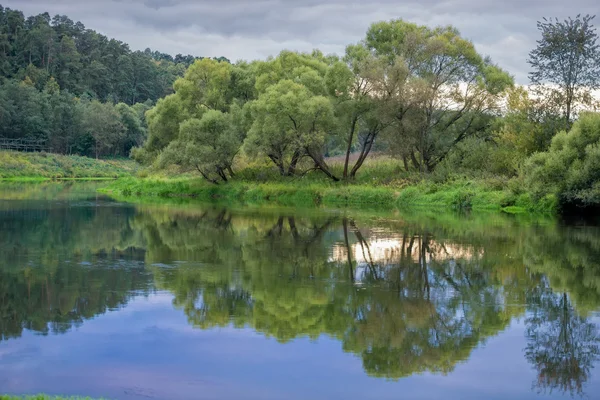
(420, 97)
(60, 82)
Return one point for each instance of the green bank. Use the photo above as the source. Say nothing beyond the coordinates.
(459, 195)
(42, 397)
(19, 166)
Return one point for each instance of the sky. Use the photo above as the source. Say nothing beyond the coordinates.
(245, 29)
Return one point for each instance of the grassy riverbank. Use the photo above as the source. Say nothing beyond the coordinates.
(381, 184)
(41, 397)
(45, 166)
(457, 195)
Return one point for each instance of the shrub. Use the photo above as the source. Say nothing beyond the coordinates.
(570, 169)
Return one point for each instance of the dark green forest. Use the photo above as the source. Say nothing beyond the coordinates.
(59, 80)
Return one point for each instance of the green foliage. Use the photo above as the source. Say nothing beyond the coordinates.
(570, 169)
(441, 91)
(103, 123)
(202, 125)
(42, 397)
(470, 195)
(69, 125)
(289, 121)
(568, 57)
(82, 61)
(54, 72)
(207, 144)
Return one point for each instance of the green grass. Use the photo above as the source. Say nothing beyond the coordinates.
(281, 193)
(41, 397)
(31, 167)
(472, 195)
(458, 195)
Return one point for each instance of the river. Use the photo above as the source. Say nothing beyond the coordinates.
(177, 300)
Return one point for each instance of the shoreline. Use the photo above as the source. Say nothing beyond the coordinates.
(463, 196)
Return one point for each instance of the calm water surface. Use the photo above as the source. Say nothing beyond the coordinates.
(190, 301)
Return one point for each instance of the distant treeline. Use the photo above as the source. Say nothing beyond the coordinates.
(53, 69)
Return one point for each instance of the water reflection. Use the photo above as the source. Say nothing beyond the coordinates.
(562, 345)
(407, 295)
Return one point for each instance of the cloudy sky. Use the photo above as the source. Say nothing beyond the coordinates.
(250, 29)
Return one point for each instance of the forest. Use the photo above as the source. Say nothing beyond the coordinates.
(78, 90)
(416, 102)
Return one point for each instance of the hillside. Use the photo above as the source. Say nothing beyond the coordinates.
(82, 61)
(19, 166)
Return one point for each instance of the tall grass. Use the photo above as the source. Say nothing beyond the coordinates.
(43, 166)
(42, 397)
(255, 185)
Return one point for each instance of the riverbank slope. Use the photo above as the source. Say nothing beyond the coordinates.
(45, 166)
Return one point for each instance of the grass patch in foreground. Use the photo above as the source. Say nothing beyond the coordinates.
(284, 194)
(31, 167)
(473, 195)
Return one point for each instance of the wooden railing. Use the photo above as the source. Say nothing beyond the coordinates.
(23, 144)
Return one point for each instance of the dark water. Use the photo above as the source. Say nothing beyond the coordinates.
(188, 301)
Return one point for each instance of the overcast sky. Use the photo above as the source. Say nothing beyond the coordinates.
(250, 29)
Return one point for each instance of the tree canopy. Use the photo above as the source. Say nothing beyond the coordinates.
(567, 57)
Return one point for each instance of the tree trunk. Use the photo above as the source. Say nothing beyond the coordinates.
(230, 170)
(206, 176)
(363, 154)
(405, 161)
(279, 164)
(294, 163)
(568, 116)
(349, 149)
(221, 173)
(320, 163)
(414, 160)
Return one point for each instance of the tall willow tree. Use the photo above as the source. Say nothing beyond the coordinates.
(290, 122)
(200, 127)
(437, 87)
(292, 116)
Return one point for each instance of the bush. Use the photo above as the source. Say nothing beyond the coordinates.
(570, 169)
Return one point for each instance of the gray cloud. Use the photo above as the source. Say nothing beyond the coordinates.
(245, 29)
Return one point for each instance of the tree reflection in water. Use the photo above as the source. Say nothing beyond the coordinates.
(406, 296)
(562, 345)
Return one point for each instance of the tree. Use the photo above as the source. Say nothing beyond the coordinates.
(570, 169)
(567, 58)
(208, 145)
(177, 125)
(104, 125)
(360, 90)
(68, 66)
(290, 122)
(439, 89)
(135, 132)
(205, 86)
